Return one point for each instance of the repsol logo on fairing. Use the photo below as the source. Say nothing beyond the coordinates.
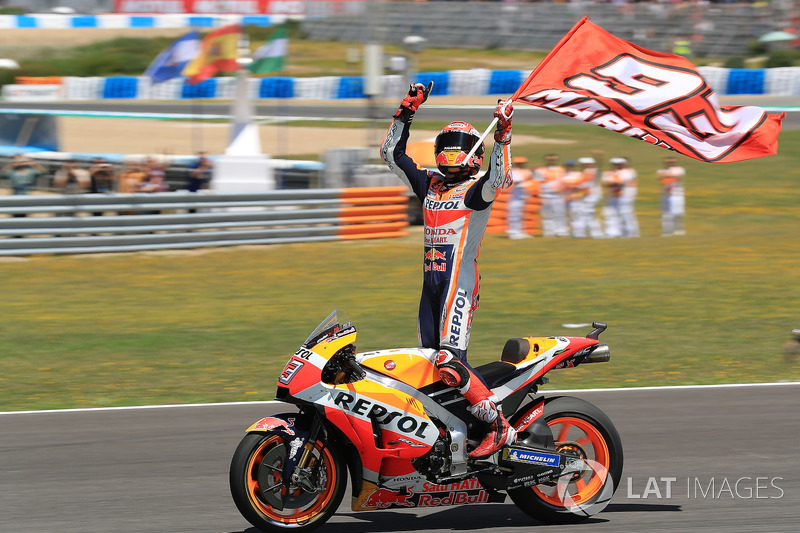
(397, 420)
(458, 317)
(433, 205)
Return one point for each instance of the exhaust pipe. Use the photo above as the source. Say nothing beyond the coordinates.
(601, 354)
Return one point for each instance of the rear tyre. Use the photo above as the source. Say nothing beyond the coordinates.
(257, 487)
(584, 431)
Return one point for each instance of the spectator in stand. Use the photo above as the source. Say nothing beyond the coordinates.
(72, 179)
(199, 173)
(22, 173)
(155, 181)
(132, 176)
(103, 176)
(672, 197)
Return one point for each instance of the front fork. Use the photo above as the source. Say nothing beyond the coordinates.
(298, 469)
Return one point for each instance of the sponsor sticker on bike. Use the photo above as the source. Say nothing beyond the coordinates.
(531, 457)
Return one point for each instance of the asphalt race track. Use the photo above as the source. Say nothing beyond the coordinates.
(698, 459)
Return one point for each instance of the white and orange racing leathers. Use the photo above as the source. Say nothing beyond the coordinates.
(455, 219)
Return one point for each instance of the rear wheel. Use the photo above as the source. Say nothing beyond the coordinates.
(304, 502)
(583, 431)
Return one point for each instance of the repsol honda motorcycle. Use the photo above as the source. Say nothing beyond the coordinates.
(404, 436)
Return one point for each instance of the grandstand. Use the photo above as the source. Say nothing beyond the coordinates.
(717, 30)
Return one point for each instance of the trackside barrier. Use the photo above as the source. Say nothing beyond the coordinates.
(745, 81)
(95, 223)
(783, 81)
(531, 217)
(277, 87)
(119, 87)
(38, 80)
(120, 20)
(478, 82)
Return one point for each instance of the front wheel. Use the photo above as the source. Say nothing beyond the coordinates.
(582, 430)
(301, 504)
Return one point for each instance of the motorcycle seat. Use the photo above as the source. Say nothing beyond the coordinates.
(495, 373)
(515, 350)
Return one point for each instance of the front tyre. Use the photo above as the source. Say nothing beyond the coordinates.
(260, 494)
(582, 430)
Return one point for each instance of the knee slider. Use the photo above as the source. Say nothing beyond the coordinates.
(455, 374)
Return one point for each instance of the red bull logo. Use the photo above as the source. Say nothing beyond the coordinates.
(435, 261)
(271, 422)
(383, 498)
(451, 158)
(434, 255)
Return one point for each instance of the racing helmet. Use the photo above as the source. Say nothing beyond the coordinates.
(452, 146)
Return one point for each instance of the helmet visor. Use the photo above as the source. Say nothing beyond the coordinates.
(455, 141)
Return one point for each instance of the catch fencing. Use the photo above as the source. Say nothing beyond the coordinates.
(95, 223)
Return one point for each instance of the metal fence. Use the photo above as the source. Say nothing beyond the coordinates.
(93, 223)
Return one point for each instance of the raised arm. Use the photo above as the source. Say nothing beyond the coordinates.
(498, 176)
(393, 148)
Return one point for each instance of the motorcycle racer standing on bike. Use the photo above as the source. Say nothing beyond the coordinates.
(456, 206)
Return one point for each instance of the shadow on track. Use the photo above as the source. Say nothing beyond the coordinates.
(483, 517)
(641, 508)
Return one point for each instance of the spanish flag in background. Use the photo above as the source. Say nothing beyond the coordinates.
(218, 53)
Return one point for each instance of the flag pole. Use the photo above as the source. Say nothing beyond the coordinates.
(486, 133)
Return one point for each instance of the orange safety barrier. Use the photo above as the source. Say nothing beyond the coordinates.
(373, 212)
(372, 192)
(372, 231)
(38, 80)
(369, 201)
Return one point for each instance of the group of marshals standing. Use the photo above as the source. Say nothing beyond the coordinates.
(579, 200)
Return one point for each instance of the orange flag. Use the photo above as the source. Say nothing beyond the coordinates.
(218, 53)
(657, 97)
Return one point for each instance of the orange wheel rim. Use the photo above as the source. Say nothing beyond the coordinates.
(289, 515)
(572, 432)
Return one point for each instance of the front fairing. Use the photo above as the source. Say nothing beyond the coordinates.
(362, 407)
(305, 366)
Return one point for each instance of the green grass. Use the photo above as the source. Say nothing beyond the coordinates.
(714, 306)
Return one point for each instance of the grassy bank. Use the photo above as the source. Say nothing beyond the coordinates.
(713, 306)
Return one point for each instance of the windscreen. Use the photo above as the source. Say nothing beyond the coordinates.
(336, 323)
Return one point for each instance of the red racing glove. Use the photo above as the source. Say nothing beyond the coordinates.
(417, 94)
(504, 111)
